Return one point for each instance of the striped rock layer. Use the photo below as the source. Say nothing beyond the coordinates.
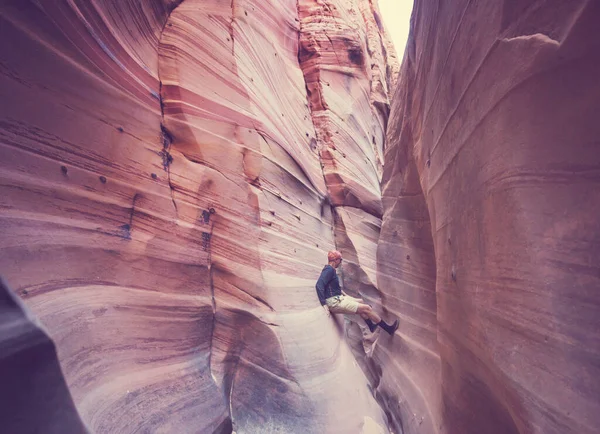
(172, 176)
(490, 238)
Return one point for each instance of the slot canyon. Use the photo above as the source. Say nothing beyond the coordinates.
(174, 172)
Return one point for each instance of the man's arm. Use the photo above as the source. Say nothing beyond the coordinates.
(324, 279)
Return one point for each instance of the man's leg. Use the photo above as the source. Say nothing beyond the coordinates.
(366, 312)
(360, 301)
(372, 315)
(350, 305)
(371, 324)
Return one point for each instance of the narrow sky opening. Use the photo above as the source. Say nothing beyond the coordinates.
(396, 17)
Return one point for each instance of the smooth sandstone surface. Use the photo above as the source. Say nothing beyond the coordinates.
(170, 185)
(490, 235)
(173, 173)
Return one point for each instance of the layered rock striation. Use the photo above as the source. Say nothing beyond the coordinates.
(34, 395)
(173, 173)
(489, 241)
(170, 186)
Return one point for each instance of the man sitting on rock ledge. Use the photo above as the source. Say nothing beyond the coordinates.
(335, 301)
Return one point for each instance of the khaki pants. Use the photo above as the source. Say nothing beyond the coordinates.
(342, 304)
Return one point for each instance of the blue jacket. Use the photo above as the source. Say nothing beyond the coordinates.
(328, 284)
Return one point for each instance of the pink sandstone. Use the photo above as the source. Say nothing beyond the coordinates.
(169, 192)
(490, 237)
(174, 172)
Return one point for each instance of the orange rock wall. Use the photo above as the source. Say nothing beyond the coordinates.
(489, 241)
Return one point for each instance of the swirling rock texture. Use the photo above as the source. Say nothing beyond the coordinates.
(172, 175)
(34, 395)
(490, 237)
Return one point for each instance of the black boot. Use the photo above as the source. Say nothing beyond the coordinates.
(391, 329)
(371, 325)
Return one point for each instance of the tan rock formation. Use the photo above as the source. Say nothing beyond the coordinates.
(166, 204)
(490, 235)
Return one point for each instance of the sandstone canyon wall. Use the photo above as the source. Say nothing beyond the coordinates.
(34, 395)
(173, 173)
(490, 237)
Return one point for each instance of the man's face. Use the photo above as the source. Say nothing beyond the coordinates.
(337, 263)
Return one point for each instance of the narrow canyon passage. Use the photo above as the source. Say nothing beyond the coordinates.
(173, 173)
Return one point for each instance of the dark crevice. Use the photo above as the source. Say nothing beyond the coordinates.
(257, 298)
(165, 135)
(260, 300)
(355, 55)
(167, 140)
(225, 427)
(132, 211)
(298, 165)
(231, 361)
(125, 230)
